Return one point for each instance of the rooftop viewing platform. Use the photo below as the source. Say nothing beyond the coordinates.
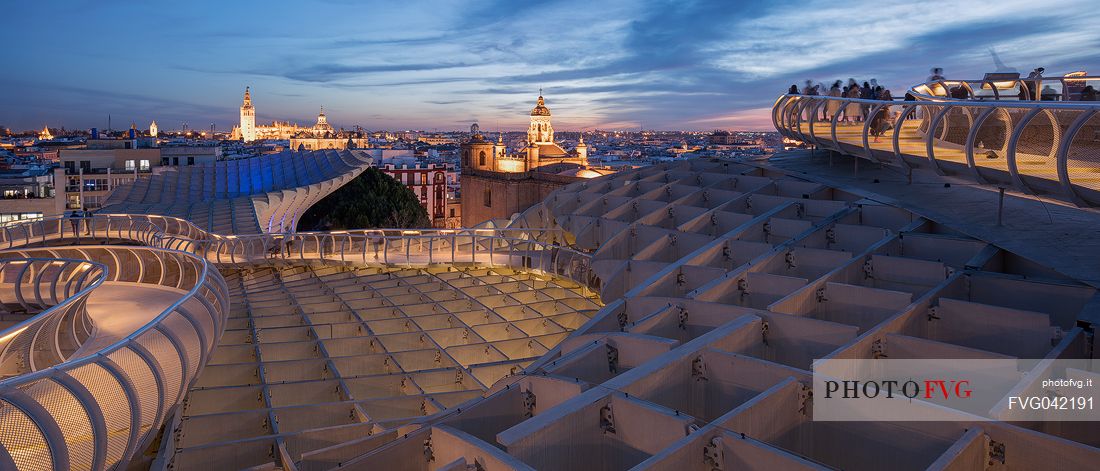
(1036, 136)
(553, 236)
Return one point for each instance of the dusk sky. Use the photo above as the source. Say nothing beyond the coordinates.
(442, 65)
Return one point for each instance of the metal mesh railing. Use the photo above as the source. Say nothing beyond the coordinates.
(78, 393)
(55, 289)
(539, 249)
(997, 134)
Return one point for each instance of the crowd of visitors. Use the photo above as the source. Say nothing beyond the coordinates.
(853, 112)
(1032, 88)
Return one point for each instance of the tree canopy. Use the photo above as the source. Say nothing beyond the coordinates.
(371, 200)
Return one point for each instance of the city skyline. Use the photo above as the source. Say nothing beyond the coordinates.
(614, 65)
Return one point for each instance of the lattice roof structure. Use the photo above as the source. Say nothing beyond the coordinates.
(244, 196)
(666, 317)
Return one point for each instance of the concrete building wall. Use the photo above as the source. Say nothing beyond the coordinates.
(506, 194)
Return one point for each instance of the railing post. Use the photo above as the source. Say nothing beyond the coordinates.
(930, 137)
(46, 423)
(971, 137)
(1062, 157)
(1013, 142)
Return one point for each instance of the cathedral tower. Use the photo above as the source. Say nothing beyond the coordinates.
(248, 118)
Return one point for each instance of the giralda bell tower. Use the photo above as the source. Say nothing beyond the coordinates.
(248, 118)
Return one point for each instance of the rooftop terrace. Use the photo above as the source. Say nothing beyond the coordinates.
(665, 317)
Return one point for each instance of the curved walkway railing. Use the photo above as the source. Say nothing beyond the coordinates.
(1043, 89)
(535, 249)
(104, 399)
(1048, 147)
(55, 291)
(486, 247)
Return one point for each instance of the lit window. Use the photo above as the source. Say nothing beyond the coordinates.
(144, 164)
(130, 165)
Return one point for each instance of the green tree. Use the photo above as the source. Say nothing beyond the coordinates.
(371, 200)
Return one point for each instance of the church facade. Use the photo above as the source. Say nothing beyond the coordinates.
(497, 183)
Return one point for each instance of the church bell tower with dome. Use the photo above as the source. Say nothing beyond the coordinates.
(540, 131)
(497, 184)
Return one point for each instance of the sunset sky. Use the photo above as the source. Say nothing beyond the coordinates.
(442, 65)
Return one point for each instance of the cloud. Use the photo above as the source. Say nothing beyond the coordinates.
(445, 102)
(661, 64)
(331, 72)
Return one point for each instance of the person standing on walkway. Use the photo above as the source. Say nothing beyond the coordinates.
(87, 216)
(865, 93)
(833, 107)
(793, 90)
(937, 75)
(852, 110)
(881, 120)
(1034, 83)
(808, 87)
(1088, 93)
(288, 245)
(809, 90)
(74, 222)
(1049, 94)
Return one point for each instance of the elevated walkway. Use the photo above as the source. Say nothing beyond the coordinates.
(117, 336)
(989, 136)
(118, 309)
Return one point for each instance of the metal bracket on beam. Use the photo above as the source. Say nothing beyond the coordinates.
(995, 451)
(528, 403)
(607, 419)
(699, 369)
(429, 455)
(712, 454)
(805, 397)
(612, 359)
(878, 349)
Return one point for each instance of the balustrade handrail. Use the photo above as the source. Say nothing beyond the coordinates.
(189, 230)
(1030, 87)
(31, 327)
(203, 274)
(1033, 146)
(141, 376)
(947, 101)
